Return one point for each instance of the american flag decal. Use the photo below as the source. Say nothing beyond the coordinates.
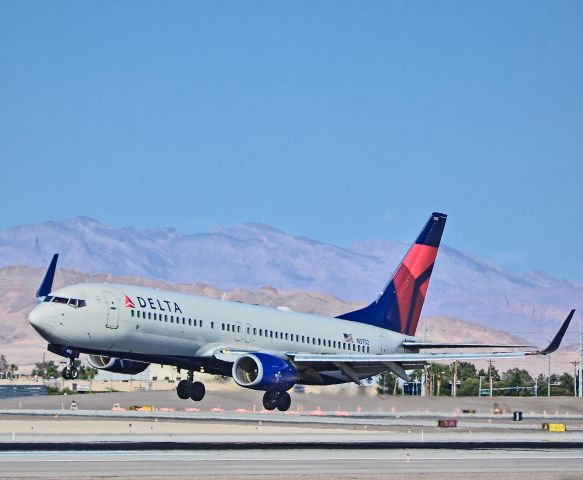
(129, 303)
(348, 338)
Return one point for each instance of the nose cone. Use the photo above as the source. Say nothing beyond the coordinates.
(34, 317)
(41, 320)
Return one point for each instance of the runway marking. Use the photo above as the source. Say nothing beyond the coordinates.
(197, 456)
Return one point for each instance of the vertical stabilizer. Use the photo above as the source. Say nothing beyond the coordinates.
(398, 308)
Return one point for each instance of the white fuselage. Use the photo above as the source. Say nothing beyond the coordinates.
(167, 323)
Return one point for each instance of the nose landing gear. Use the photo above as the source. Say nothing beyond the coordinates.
(70, 372)
(189, 389)
(279, 400)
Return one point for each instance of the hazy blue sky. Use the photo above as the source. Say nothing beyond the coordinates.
(339, 121)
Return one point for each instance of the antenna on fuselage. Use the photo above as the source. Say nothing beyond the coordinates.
(46, 285)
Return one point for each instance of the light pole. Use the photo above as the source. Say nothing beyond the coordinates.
(549, 382)
(581, 364)
(490, 374)
(575, 363)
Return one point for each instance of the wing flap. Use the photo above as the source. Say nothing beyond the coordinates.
(428, 345)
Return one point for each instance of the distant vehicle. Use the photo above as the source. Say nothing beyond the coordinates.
(124, 328)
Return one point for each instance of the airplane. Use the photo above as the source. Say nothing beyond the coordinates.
(125, 328)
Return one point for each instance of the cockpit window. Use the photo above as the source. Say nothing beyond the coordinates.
(72, 302)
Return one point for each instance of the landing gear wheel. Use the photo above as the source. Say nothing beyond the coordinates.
(73, 373)
(270, 400)
(183, 389)
(197, 391)
(66, 373)
(283, 401)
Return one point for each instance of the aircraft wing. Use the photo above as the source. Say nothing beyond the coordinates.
(430, 357)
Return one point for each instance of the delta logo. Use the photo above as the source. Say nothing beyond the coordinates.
(154, 304)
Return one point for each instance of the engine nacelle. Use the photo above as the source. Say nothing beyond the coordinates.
(261, 371)
(116, 365)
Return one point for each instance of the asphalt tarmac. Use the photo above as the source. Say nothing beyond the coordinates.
(297, 464)
(352, 437)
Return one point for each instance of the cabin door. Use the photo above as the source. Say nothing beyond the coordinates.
(248, 333)
(112, 310)
(238, 331)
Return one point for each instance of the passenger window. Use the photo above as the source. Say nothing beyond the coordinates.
(149, 315)
(213, 325)
(228, 327)
(132, 313)
(254, 331)
(200, 323)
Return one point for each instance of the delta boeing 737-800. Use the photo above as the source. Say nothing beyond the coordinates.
(124, 328)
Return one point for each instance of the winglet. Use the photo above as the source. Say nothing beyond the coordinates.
(46, 285)
(556, 341)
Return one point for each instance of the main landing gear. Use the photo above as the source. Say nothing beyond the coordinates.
(279, 400)
(189, 389)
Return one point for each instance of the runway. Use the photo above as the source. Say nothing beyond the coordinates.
(38, 440)
(346, 464)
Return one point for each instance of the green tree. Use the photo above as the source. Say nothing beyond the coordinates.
(386, 383)
(437, 375)
(4, 366)
(466, 371)
(562, 385)
(516, 377)
(46, 370)
(468, 387)
(87, 373)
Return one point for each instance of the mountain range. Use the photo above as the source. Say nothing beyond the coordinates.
(251, 256)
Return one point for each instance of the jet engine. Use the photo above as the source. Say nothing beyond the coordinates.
(262, 371)
(116, 365)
